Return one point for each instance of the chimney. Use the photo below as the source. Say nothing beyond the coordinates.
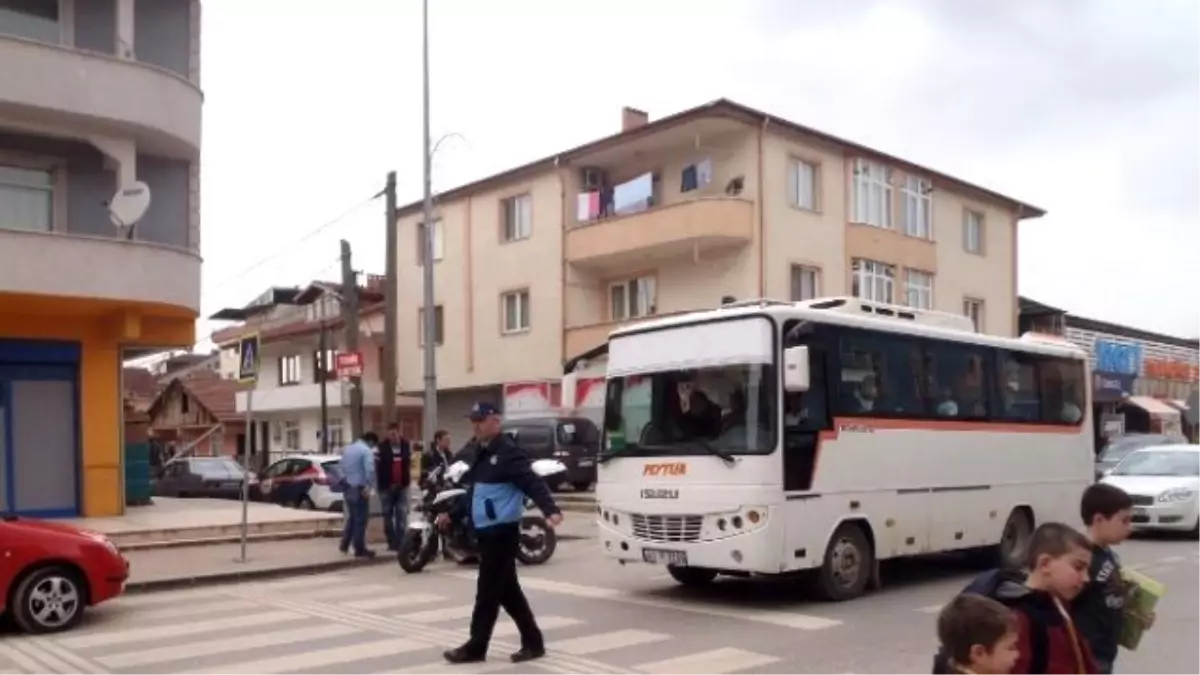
(632, 118)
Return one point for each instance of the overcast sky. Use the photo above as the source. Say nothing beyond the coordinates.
(1087, 108)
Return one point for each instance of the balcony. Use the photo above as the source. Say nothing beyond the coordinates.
(677, 230)
(308, 397)
(100, 268)
(60, 86)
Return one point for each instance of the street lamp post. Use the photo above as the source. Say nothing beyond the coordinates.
(430, 423)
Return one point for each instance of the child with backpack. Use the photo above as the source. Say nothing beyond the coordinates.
(1099, 611)
(978, 635)
(1057, 562)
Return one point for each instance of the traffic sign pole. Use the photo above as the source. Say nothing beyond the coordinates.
(247, 373)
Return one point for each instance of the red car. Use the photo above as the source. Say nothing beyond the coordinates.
(50, 572)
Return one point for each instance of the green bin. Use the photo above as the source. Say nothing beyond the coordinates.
(137, 474)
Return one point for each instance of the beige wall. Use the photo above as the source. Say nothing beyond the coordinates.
(569, 285)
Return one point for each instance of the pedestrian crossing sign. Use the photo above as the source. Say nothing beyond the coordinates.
(248, 359)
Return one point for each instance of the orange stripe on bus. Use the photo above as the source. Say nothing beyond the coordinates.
(956, 425)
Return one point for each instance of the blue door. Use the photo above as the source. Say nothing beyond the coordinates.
(39, 428)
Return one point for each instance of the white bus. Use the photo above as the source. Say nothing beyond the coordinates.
(768, 438)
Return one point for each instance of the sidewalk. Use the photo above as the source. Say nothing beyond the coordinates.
(170, 568)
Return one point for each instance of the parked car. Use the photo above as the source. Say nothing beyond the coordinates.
(1164, 482)
(214, 477)
(574, 441)
(1120, 447)
(51, 572)
(302, 481)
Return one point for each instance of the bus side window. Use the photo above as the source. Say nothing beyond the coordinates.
(1019, 394)
(1061, 383)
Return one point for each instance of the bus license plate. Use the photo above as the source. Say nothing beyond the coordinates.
(586, 462)
(1141, 513)
(659, 557)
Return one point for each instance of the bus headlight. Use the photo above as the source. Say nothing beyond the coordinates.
(747, 519)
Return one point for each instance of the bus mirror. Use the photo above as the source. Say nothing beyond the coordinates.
(795, 368)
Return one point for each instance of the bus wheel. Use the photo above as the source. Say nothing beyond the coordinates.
(693, 577)
(1014, 541)
(849, 563)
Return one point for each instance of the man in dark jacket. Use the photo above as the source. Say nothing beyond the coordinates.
(501, 476)
(393, 476)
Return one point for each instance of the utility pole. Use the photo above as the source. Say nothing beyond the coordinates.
(430, 424)
(323, 377)
(350, 312)
(390, 310)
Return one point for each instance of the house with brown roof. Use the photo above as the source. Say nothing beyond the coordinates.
(196, 415)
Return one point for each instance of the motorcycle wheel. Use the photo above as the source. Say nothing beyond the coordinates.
(416, 550)
(538, 541)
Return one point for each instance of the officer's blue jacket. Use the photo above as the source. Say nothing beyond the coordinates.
(501, 476)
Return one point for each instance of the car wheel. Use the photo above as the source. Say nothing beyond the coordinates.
(49, 600)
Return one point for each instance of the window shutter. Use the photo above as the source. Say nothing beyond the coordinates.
(793, 183)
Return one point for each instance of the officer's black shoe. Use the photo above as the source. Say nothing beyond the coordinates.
(527, 654)
(462, 655)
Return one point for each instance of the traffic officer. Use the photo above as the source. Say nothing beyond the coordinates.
(501, 476)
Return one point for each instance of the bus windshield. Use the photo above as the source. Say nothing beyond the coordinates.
(723, 410)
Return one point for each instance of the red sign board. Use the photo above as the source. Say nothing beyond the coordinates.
(349, 364)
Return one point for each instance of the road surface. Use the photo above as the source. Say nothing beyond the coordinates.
(597, 616)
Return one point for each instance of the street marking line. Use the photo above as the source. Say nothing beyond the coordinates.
(339, 592)
(168, 598)
(393, 602)
(191, 650)
(717, 662)
(443, 668)
(768, 616)
(545, 623)
(439, 615)
(49, 662)
(320, 659)
(120, 636)
(931, 609)
(192, 610)
(1172, 559)
(48, 652)
(602, 642)
(294, 582)
(27, 664)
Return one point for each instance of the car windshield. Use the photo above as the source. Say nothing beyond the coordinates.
(724, 410)
(1120, 448)
(1160, 463)
(217, 466)
(332, 468)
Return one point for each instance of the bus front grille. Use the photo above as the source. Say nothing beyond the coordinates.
(666, 528)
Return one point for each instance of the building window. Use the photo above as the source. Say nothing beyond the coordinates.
(873, 280)
(973, 232)
(805, 283)
(439, 243)
(34, 20)
(918, 207)
(802, 185)
(872, 194)
(973, 310)
(26, 195)
(516, 311)
(438, 326)
(289, 369)
(291, 435)
(337, 434)
(696, 176)
(326, 366)
(918, 289)
(518, 217)
(632, 298)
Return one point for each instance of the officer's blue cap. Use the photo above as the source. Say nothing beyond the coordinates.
(482, 410)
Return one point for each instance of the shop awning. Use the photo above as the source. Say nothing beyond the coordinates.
(1152, 406)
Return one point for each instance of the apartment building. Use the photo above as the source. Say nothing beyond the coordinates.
(286, 399)
(536, 265)
(100, 115)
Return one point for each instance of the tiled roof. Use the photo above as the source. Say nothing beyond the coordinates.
(139, 382)
(300, 326)
(215, 393)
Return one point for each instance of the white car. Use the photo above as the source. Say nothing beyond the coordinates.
(302, 481)
(1164, 482)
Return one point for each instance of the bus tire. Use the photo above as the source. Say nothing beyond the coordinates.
(1014, 539)
(849, 564)
(692, 577)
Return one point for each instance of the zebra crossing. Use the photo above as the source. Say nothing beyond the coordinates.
(332, 623)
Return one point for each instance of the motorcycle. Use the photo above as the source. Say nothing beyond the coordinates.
(443, 493)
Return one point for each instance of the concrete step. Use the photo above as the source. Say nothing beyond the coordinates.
(166, 537)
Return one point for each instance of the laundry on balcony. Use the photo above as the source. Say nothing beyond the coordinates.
(696, 176)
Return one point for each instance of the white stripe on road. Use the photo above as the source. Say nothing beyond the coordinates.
(189, 610)
(350, 591)
(321, 660)
(193, 650)
(602, 642)
(717, 662)
(931, 609)
(55, 658)
(768, 616)
(302, 582)
(439, 615)
(25, 663)
(155, 633)
(1171, 559)
(545, 623)
(394, 601)
(443, 668)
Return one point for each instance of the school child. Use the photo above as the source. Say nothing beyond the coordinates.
(978, 635)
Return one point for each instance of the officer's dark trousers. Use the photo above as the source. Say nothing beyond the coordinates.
(498, 587)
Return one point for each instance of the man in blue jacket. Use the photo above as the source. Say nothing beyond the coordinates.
(501, 476)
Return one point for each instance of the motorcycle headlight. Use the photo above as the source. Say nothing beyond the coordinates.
(1177, 495)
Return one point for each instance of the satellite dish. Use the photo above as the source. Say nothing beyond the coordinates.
(129, 205)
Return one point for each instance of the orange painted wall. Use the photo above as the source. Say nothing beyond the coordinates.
(100, 411)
